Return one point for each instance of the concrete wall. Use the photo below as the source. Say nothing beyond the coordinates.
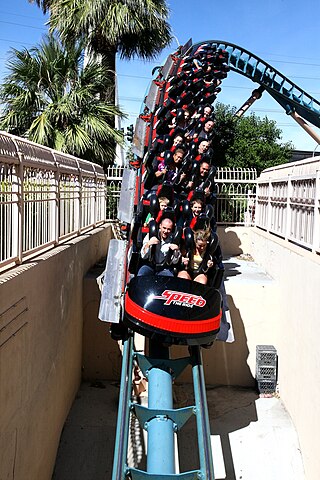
(234, 240)
(296, 334)
(41, 319)
(101, 356)
(274, 300)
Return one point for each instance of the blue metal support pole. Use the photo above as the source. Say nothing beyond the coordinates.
(160, 457)
(203, 426)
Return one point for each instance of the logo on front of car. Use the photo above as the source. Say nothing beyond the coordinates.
(183, 299)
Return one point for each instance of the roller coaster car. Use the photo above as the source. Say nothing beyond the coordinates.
(176, 311)
(173, 310)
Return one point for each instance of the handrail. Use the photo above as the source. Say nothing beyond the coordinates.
(288, 202)
(45, 197)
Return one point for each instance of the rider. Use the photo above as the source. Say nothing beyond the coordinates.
(163, 244)
(192, 265)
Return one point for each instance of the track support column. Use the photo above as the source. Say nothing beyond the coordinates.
(160, 446)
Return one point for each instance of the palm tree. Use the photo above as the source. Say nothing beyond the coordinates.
(50, 98)
(125, 27)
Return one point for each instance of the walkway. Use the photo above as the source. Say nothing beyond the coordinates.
(253, 438)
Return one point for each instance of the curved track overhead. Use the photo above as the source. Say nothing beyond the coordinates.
(286, 93)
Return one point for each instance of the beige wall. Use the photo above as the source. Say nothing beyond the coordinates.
(234, 240)
(41, 318)
(101, 356)
(296, 334)
(282, 309)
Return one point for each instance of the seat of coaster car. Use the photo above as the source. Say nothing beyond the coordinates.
(150, 179)
(149, 204)
(173, 310)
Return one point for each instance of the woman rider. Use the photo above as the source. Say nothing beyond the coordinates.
(192, 265)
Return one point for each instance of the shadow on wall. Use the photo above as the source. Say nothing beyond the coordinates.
(231, 395)
(226, 363)
(231, 269)
(230, 409)
(229, 241)
(101, 356)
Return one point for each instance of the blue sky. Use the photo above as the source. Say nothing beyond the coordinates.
(284, 33)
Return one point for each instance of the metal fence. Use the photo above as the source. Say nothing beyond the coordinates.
(288, 203)
(45, 197)
(287, 206)
(236, 191)
(235, 194)
(114, 181)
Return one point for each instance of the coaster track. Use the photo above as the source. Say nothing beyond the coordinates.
(170, 310)
(289, 95)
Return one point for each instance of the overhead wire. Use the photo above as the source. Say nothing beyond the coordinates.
(22, 25)
(136, 99)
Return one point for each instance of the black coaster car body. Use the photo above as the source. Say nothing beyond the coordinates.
(173, 310)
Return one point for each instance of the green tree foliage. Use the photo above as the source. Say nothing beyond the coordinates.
(51, 99)
(248, 142)
(128, 28)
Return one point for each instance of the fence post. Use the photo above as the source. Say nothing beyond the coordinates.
(269, 208)
(20, 204)
(55, 204)
(248, 216)
(95, 197)
(316, 218)
(79, 207)
(287, 232)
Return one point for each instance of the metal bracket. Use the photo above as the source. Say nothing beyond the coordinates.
(179, 416)
(175, 366)
(135, 474)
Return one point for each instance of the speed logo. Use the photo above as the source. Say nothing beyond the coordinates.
(183, 299)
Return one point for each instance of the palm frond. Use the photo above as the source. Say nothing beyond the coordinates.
(48, 97)
(40, 130)
(131, 27)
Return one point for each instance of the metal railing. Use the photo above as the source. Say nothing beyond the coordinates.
(45, 198)
(235, 194)
(288, 202)
(236, 189)
(114, 181)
